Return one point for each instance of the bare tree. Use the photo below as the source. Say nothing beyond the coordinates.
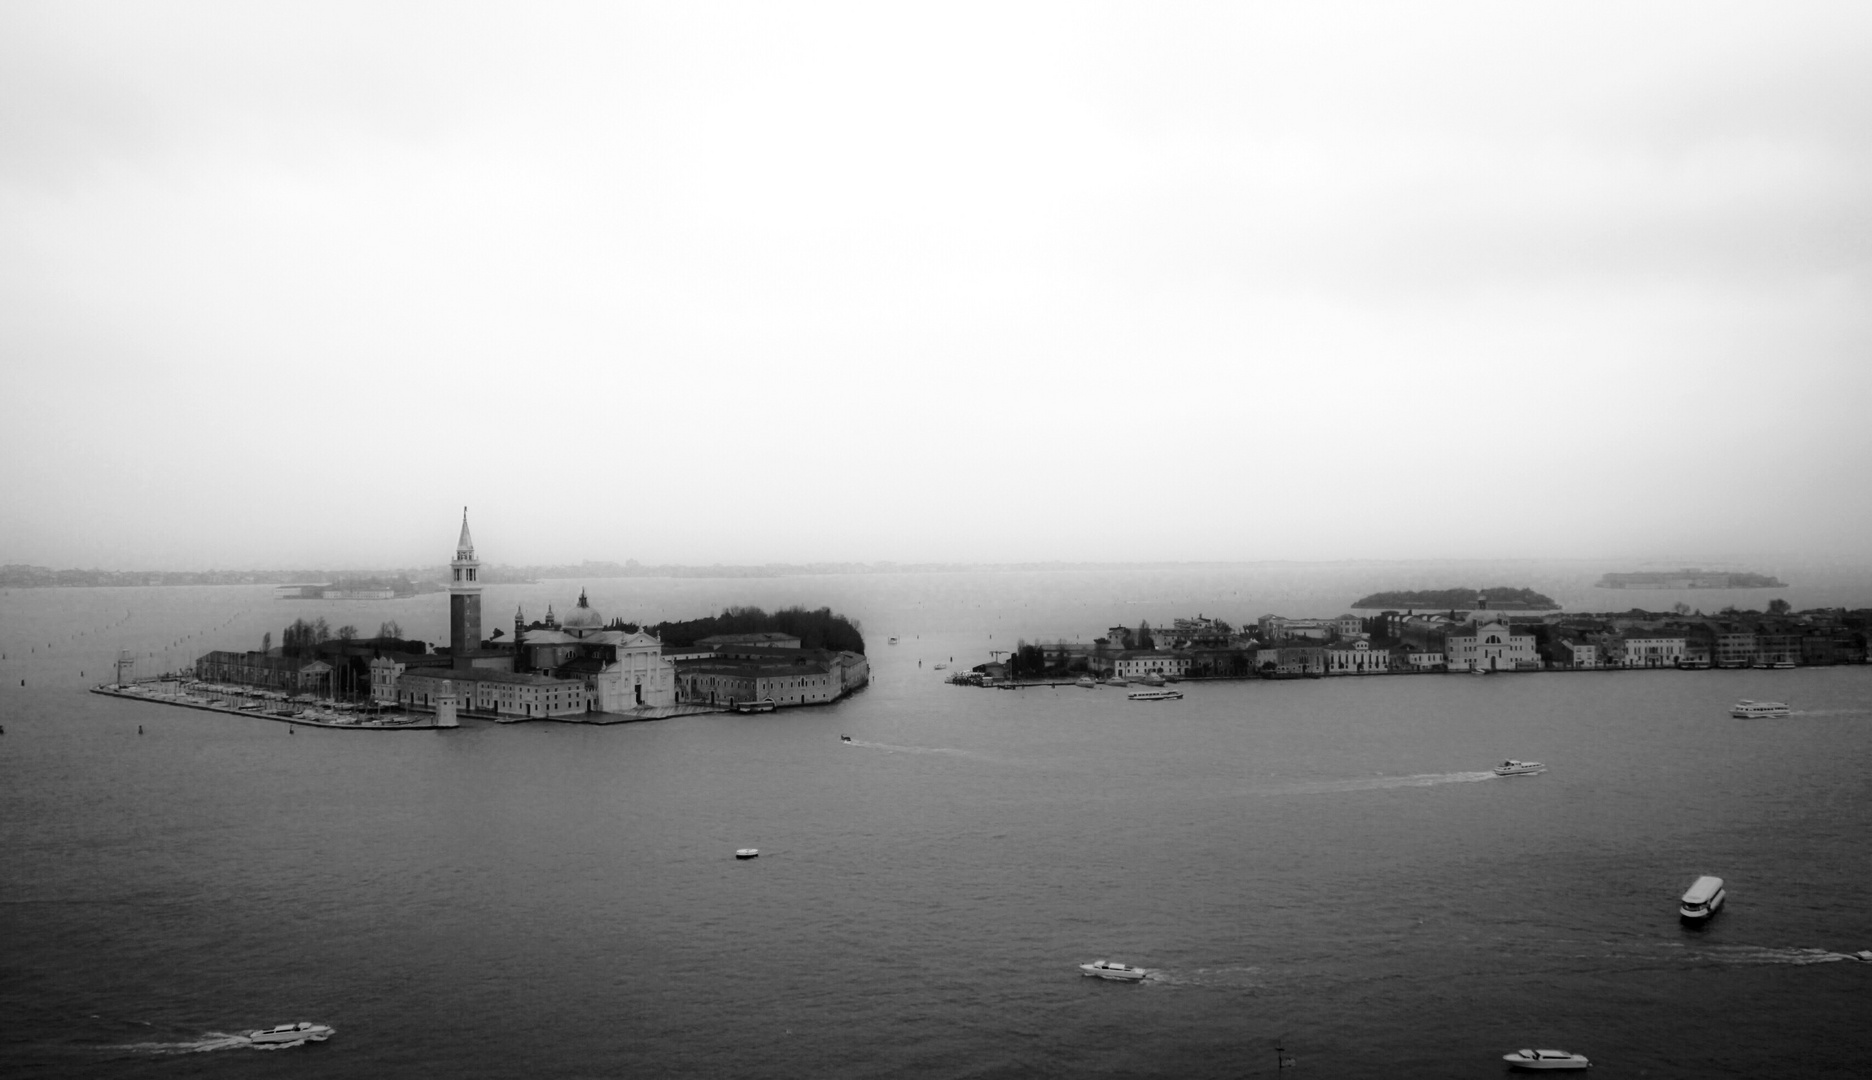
(389, 629)
(347, 633)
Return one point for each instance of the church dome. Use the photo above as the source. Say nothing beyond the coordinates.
(582, 618)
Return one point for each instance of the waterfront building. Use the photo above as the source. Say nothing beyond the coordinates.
(1137, 662)
(1411, 658)
(1357, 658)
(1291, 659)
(1577, 653)
(1490, 646)
(291, 674)
(797, 683)
(1735, 649)
(1651, 649)
(1772, 649)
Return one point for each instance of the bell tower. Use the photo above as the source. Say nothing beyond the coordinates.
(464, 599)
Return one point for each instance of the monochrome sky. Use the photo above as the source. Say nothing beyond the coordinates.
(288, 285)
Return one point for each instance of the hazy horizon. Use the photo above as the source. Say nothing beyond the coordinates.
(288, 285)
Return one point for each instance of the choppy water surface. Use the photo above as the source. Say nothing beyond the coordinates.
(1327, 863)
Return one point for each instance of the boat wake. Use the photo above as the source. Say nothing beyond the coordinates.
(1381, 783)
(1830, 712)
(214, 1040)
(1240, 976)
(1761, 954)
(893, 748)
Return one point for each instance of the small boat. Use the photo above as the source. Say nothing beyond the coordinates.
(1862, 954)
(1511, 767)
(1086, 682)
(1702, 899)
(1478, 671)
(1116, 680)
(1694, 663)
(747, 853)
(893, 641)
(1151, 678)
(941, 667)
(1756, 710)
(291, 1034)
(1155, 695)
(844, 738)
(1546, 1059)
(1113, 970)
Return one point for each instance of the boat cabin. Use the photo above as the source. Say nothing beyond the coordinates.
(1701, 900)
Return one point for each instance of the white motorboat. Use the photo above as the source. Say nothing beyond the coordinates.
(291, 1034)
(1702, 899)
(1086, 682)
(1546, 1059)
(940, 667)
(1152, 678)
(1862, 954)
(747, 853)
(1117, 680)
(1112, 969)
(1155, 695)
(1511, 767)
(1756, 710)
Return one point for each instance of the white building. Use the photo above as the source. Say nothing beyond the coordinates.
(1651, 650)
(1489, 646)
(1357, 658)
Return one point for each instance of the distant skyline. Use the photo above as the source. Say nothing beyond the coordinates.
(287, 285)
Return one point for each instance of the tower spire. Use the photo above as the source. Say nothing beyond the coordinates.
(464, 547)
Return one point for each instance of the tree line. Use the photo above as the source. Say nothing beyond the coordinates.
(817, 628)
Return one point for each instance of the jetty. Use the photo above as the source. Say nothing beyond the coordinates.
(243, 701)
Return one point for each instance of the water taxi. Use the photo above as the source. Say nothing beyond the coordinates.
(1511, 767)
(1112, 969)
(1546, 1059)
(291, 1034)
(747, 853)
(1702, 899)
(1155, 695)
(1756, 710)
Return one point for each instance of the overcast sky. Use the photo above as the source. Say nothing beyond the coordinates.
(288, 285)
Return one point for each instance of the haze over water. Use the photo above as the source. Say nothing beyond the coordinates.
(1327, 863)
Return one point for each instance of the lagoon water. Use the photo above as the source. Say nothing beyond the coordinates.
(1323, 865)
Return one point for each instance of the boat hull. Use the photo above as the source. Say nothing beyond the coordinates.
(1113, 974)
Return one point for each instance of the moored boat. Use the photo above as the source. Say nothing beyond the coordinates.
(1152, 678)
(1113, 970)
(1512, 767)
(1086, 682)
(763, 705)
(1546, 1059)
(291, 1034)
(1756, 710)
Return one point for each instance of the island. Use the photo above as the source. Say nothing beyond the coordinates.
(1690, 578)
(1500, 598)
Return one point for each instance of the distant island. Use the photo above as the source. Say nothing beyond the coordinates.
(1500, 598)
(1690, 578)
